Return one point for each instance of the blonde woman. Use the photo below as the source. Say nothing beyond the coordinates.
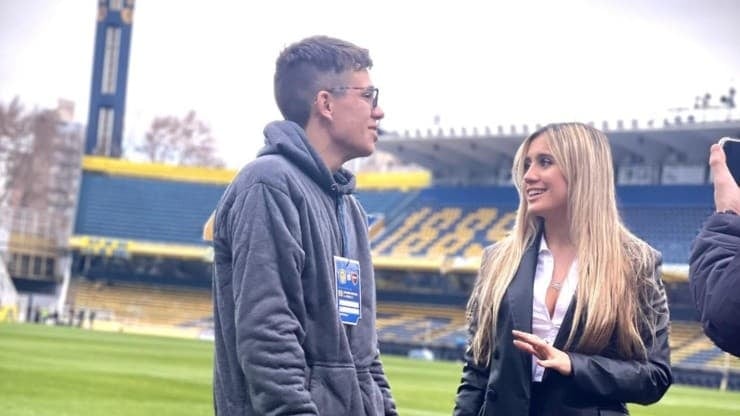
(569, 314)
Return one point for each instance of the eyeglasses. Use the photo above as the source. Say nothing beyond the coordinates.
(369, 93)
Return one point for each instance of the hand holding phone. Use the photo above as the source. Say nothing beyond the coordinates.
(724, 160)
(731, 147)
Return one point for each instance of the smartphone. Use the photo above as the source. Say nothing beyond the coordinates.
(731, 146)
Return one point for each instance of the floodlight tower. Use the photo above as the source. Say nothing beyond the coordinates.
(110, 72)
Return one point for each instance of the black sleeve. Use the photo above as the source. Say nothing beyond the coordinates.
(714, 279)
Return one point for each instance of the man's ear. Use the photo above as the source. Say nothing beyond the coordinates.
(324, 104)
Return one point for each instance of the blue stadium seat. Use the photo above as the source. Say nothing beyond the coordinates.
(144, 209)
(451, 221)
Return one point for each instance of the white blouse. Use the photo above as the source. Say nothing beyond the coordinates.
(543, 325)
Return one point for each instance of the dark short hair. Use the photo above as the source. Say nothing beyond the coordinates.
(308, 66)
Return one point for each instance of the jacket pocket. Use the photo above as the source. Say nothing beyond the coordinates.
(335, 390)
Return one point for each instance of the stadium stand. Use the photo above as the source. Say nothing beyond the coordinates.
(428, 251)
(160, 207)
(423, 324)
(144, 209)
(143, 303)
(666, 216)
(138, 257)
(459, 221)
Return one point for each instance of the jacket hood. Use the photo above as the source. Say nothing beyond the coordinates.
(289, 140)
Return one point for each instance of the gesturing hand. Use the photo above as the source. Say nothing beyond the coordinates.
(547, 356)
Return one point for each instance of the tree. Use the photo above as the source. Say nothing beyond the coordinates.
(28, 143)
(34, 174)
(182, 141)
(15, 147)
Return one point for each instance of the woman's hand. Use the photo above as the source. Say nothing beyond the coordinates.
(547, 356)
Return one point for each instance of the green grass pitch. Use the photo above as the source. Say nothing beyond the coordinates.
(58, 371)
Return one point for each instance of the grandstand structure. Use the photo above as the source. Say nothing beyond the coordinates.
(431, 240)
(136, 259)
(670, 151)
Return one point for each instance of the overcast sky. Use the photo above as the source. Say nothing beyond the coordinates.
(472, 63)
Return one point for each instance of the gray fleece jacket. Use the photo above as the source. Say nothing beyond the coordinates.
(280, 347)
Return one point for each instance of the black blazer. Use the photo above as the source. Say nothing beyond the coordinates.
(599, 384)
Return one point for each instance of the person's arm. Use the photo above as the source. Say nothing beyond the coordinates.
(633, 381)
(472, 389)
(714, 264)
(726, 190)
(714, 280)
(267, 260)
(376, 370)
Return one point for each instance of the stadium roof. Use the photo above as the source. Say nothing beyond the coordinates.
(482, 151)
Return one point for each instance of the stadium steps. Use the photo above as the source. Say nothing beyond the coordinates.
(144, 209)
(419, 323)
(702, 356)
(436, 229)
(724, 359)
(147, 304)
(696, 353)
(429, 230)
(683, 333)
(387, 322)
(452, 335)
(395, 211)
(409, 222)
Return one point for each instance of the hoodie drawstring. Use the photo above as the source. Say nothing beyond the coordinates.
(342, 227)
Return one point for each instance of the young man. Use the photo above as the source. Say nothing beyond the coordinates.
(714, 269)
(294, 333)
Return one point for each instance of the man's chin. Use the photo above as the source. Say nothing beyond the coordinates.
(368, 152)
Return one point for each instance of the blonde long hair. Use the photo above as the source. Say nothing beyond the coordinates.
(614, 266)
